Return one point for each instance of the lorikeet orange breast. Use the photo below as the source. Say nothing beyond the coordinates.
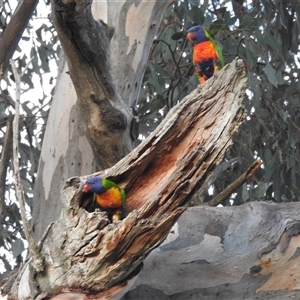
(111, 198)
(207, 55)
(107, 194)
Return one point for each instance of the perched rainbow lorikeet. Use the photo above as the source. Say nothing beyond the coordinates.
(207, 56)
(108, 195)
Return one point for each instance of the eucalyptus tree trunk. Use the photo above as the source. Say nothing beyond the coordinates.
(90, 130)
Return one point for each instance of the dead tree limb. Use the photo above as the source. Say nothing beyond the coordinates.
(85, 253)
(37, 259)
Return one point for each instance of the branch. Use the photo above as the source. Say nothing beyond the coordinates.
(38, 261)
(13, 32)
(5, 157)
(6, 98)
(217, 172)
(235, 184)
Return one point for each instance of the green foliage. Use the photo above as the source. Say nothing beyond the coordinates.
(265, 35)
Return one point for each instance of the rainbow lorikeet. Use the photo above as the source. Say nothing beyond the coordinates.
(207, 56)
(108, 195)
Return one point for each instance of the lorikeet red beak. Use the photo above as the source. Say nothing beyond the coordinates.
(86, 188)
(190, 36)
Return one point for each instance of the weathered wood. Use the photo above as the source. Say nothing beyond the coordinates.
(242, 252)
(87, 254)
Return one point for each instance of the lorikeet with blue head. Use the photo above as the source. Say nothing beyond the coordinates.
(207, 55)
(107, 195)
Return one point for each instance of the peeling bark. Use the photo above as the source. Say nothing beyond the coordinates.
(243, 252)
(83, 251)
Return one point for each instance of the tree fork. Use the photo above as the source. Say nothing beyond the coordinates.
(86, 46)
(84, 253)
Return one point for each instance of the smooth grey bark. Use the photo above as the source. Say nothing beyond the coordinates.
(250, 251)
(134, 40)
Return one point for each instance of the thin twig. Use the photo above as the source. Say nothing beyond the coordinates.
(38, 261)
(234, 185)
(216, 173)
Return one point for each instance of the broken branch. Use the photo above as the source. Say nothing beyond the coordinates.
(235, 184)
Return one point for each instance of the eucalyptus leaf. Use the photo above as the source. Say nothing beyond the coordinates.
(17, 247)
(177, 36)
(271, 74)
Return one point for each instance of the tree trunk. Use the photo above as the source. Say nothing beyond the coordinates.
(242, 252)
(71, 126)
(87, 255)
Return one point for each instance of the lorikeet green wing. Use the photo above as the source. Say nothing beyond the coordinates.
(108, 184)
(218, 49)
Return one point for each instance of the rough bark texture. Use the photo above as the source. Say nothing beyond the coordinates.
(246, 252)
(66, 151)
(88, 255)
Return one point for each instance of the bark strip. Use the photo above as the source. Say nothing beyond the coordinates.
(38, 260)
